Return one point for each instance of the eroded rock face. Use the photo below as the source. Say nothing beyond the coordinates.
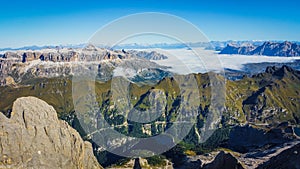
(34, 138)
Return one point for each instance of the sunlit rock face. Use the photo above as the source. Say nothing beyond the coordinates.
(33, 137)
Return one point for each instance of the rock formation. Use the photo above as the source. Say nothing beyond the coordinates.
(33, 137)
(26, 64)
(149, 55)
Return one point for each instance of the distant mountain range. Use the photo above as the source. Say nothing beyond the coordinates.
(212, 45)
(287, 49)
(25, 64)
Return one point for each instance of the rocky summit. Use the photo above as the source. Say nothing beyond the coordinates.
(33, 137)
(225, 161)
(286, 49)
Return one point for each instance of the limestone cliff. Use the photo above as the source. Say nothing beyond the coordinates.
(33, 137)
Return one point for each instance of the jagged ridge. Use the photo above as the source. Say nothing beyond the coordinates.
(286, 48)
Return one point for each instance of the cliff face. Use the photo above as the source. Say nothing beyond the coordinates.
(18, 66)
(90, 53)
(33, 137)
(286, 49)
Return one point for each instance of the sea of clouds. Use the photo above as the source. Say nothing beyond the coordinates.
(199, 60)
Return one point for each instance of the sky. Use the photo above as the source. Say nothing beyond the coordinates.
(38, 22)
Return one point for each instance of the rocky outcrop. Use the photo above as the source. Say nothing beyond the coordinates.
(279, 157)
(225, 161)
(153, 55)
(288, 158)
(33, 137)
(6, 65)
(286, 49)
(247, 138)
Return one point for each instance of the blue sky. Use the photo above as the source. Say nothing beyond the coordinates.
(54, 22)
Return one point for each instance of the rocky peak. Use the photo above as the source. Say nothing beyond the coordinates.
(225, 161)
(90, 47)
(33, 137)
(235, 49)
(279, 72)
(282, 72)
(271, 69)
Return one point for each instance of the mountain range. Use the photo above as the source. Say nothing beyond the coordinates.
(25, 64)
(285, 49)
(257, 105)
(258, 125)
(211, 45)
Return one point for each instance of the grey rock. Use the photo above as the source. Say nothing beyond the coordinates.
(23, 65)
(33, 137)
(153, 55)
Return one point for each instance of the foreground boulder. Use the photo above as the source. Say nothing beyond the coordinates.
(33, 137)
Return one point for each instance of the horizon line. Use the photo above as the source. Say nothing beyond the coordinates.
(78, 45)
